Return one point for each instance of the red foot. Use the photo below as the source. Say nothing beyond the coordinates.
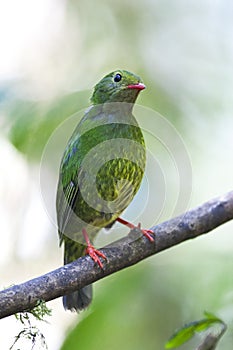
(92, 252)
(146, 233)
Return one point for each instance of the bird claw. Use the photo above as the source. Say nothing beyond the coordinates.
(146, 233)
(95, 255)
(92, 252)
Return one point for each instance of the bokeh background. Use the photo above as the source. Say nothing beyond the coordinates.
(52, 54)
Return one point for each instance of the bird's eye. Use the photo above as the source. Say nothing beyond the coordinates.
(117, 78)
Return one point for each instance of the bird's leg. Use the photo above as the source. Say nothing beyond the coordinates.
(146, 233)
(91, 251)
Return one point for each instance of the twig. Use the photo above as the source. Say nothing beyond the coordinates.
(120, 254)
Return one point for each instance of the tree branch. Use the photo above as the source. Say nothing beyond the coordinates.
(120, 254)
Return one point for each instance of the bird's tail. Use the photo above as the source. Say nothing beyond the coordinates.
(81, 298)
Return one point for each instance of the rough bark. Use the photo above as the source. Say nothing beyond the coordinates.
(120, 254)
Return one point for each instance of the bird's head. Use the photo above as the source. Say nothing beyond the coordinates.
(118, 86)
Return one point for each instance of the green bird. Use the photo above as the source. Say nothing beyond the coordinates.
(100, 172)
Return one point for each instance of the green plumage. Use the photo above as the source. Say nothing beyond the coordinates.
(101, 169)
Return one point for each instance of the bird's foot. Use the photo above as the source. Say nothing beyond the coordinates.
(94, 253)
(145, 232)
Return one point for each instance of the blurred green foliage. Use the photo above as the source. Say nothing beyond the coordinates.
(32, 122)
(140, 307)
(127, 314)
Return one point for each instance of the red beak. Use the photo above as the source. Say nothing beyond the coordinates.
(138, 86)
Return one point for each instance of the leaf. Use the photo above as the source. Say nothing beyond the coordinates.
(188, 331)
(181, 336)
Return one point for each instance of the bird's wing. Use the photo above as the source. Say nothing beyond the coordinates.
(67, 187)
(65, 202)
